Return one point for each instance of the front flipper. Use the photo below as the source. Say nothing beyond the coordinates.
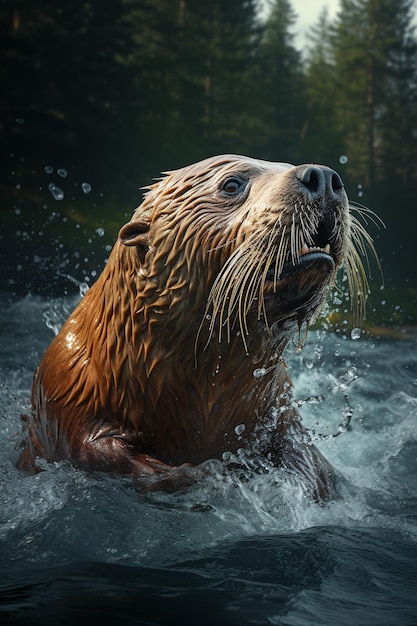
(301, 457)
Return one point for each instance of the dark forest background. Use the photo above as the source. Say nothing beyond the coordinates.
(98, 97)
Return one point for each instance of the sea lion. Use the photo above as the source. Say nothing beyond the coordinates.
(175, 355)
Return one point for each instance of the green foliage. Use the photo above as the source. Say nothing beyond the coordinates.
(323, 137)
(362, 77)
(121, 90)
(134, 85)
(59, 75)
(281, 86)
(364, 41)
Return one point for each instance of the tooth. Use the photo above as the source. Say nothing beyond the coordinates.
(327, 249)
(304, 250)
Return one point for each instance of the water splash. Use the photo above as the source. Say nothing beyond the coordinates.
(83, 513)
(57, 192)
(355, 333)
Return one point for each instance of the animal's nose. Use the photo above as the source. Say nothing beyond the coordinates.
(320, 180)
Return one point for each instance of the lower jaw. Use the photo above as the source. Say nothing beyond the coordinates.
(290, 301)
(319, 261)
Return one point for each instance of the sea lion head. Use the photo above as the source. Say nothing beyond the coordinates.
(239, 246)
(219, 266)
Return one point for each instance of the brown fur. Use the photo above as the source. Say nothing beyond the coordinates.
(154, 370)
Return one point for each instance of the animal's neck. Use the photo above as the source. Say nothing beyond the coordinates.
(196, 407)
(183, 397)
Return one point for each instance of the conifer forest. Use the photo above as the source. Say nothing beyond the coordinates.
(99, 97)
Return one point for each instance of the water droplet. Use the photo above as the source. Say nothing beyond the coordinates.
(86, 187)
(240, 429)
(83, 288)
(355, 333)
(62, 172)
(48, 169)
(343, 159)
(100, 232)
(57, 193)
(258, 373)
(20, 120)
(352, 371)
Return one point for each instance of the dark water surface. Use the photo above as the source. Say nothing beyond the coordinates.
(75, 547)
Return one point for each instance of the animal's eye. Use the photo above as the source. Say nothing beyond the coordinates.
(233, 185)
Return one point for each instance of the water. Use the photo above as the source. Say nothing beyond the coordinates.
(75, 547)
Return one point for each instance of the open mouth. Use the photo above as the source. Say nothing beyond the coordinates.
(319, 258)
(300, 288)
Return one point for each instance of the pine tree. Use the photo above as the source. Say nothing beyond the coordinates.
(191, 61)
(281, 85)
(216, 51)
(365, 41)
(398, 115)
(322, 141)
(61, 78)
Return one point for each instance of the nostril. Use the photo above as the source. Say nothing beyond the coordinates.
(337, 183)
(311, 177)
(319, 180)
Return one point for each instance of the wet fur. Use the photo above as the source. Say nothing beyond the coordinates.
(154, 370)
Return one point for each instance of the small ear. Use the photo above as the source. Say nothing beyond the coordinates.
(134, 233)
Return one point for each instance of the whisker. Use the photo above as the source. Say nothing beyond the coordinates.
(364, 242)
(244, 278)
(223, 245)
(357, 284)
(281, 255)
(293, 244)
(367, 214)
